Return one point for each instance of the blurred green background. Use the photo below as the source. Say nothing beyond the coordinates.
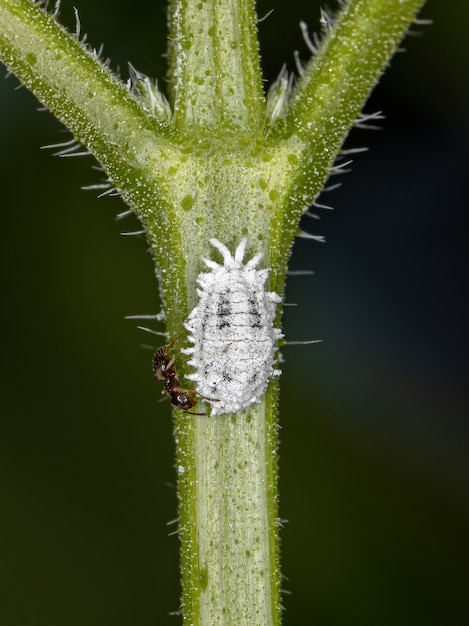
(373, 453)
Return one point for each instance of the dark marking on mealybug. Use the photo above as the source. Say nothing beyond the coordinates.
(223, 311)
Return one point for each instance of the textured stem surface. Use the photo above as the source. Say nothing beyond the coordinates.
(214, 68)
(227, 468)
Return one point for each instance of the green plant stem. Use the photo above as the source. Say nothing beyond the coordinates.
(217, 171)
(221, 88)
(227, 472)
(226, 467)
(84, 95)
(330, 96)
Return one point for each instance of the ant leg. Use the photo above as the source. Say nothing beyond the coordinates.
(170, 363)
(206, 398)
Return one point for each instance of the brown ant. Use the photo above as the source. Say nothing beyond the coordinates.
(164, 369)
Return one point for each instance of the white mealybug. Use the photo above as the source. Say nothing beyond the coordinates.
(232, 329)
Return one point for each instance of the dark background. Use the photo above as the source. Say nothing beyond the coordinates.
(373, 453)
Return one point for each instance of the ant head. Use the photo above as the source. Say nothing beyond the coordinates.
(183, 399)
